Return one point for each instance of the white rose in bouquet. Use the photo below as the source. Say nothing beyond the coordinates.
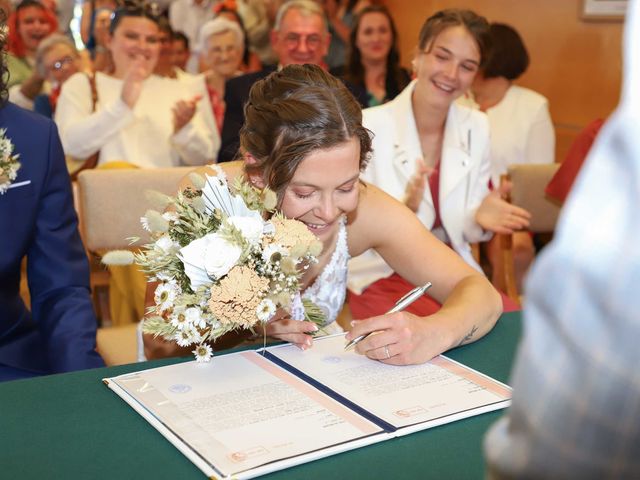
(208, 257)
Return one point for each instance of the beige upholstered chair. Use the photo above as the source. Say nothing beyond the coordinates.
(110, 204)
(528, 184)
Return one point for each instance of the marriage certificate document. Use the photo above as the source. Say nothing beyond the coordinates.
(249, 413)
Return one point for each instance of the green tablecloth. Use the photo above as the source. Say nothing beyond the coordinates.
(72, 426)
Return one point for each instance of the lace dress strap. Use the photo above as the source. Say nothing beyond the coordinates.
(329, 289)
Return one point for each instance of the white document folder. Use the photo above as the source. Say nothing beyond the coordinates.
(249, 413)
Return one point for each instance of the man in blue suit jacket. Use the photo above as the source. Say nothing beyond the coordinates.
(38, 220)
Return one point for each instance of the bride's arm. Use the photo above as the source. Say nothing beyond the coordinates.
(470, 304)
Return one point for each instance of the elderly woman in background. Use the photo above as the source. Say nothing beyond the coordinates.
(521, 127)
(29, 24)
(374, 61)
(250, 60)
(139, 118)
(222, 44)
(56, 60)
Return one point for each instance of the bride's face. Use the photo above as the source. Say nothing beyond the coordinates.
(324, 187)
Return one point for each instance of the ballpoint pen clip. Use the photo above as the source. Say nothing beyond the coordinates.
(410, 292)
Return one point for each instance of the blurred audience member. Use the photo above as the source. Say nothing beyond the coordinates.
(88, 20)
(222, 46)
(576, 388)
(38, 221)
(101, 58)
(56, 60)
(521, 129)
(250, 61)
(164, 66)
(374, 60)
(299, 36)
(188, 17)
(340, 16)
(259, 17)
(138, 117)
(29, 24)
(181, 52)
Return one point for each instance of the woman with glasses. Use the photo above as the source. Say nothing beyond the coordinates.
(56, 60)
(433, 155)
(138, 117)
(222, 44)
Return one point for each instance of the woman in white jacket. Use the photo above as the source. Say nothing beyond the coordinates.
(139, 118)
(434, 155)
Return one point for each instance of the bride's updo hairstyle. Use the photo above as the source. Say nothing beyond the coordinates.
(293, 112)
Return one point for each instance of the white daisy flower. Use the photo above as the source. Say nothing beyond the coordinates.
(187, 336)
(203, 353)
(270, 250)
(179, 318)
(265, 310)
(194, 317)
(165, 295)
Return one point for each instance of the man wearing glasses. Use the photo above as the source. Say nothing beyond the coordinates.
(300, 35)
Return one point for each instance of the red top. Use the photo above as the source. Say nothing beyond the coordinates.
(559, 186)
(217, 105)
(434, 186)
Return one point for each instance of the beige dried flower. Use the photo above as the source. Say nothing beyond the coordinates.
(293, 235)
(236, 297)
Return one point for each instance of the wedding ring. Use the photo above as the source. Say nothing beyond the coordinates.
(386, 351)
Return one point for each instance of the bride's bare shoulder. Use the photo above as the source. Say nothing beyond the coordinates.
(231, 169)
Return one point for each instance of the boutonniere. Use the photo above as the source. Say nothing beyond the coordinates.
(9, 164)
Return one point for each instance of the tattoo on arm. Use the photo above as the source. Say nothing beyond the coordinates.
(469, 336)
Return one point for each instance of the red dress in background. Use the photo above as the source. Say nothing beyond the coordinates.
(561, 183)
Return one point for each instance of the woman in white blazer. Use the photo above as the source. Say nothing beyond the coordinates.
(434, 155)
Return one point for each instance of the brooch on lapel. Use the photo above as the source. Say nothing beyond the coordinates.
(9, 164)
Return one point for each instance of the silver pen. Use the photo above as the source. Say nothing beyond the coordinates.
(401, 304)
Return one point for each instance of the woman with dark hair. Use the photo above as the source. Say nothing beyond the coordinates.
(58, 332)
(521, 127)
(303, 138)
(29, 24)
(433, 154)
(138, 117)
(374, 61)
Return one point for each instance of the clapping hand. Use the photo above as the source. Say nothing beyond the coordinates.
(414, 191)
(499, 216)
(132, 87)
(183, 112)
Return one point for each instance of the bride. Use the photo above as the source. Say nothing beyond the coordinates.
(303, 137)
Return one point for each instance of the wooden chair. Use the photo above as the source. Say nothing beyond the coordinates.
(528, 184)
(110, 204)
